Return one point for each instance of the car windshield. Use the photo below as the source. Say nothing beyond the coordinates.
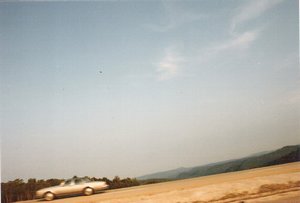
(86, 179)
(81, 180)
(78, 181)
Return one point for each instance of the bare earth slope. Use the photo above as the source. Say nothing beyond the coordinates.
(273, 184)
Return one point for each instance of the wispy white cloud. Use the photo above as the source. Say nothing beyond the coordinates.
(170, 65)
(251, 10)
(237, 44)
(240, 41)
(173, 61)
(247, 12)
(175, 17)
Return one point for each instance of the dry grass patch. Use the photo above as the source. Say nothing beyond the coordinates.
(276, 187)
(294, 184)
(234, 195)
(272, 187)
(266, 188)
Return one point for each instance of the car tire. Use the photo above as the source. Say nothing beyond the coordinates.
(49, 196)
(88, 191)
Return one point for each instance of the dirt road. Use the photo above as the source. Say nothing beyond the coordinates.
(270, 184)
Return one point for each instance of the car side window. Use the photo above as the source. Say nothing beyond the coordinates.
(68, 182)
(78, 181)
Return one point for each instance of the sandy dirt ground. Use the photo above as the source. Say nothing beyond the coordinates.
(273, 184)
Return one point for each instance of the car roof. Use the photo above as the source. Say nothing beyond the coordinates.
(86, 179)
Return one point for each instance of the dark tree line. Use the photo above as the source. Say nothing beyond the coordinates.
(18, 190)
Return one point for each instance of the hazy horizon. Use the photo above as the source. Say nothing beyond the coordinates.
(105, 88)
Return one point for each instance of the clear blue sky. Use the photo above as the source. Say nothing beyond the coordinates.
(127, 88)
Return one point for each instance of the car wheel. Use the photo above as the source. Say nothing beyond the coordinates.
(88, 191)
(49, 196)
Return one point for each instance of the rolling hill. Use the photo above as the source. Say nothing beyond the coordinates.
(283, 155)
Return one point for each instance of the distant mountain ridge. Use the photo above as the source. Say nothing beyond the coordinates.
(283, 155)
(170, 174)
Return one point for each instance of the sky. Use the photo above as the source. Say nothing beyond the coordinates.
(127, 88)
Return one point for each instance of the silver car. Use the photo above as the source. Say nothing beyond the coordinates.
(71, 187)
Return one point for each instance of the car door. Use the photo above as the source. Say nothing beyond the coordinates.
(70, 188)
(64, 189)
(79, 186)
